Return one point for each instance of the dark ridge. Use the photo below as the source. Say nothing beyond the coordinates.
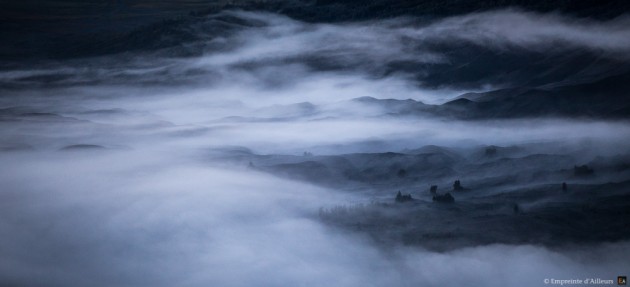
(603, 98)
(16, 147)
(82, 147)
(461, 102)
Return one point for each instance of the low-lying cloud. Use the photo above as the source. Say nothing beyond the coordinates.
(507, 29)
(107, 179)
(136, 218)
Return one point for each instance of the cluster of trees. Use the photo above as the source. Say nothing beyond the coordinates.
(403, 198)
(447, 197)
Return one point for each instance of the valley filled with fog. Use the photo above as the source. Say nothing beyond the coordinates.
(267, 150)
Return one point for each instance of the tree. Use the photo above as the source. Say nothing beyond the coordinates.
(403, 198)
(457, 185)
(448, 198)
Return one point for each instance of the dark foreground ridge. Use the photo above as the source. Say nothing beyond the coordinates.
(448, 198)
(539, 215)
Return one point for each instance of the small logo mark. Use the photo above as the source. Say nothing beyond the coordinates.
(621, 280)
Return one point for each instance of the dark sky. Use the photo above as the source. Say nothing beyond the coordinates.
(72, 9)
(33, 28)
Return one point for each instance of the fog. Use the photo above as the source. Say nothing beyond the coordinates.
(132, 218)
(108, 177)
(265, 50)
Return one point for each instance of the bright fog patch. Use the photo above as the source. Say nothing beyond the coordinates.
(130, 219)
